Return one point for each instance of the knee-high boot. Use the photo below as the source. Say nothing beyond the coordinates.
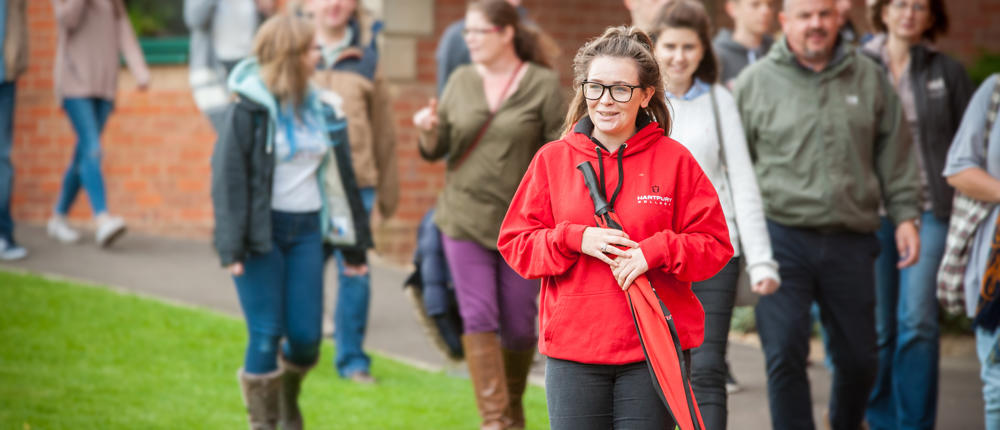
(260, 396)
(517, 364)
(290, 417)
(486, 369)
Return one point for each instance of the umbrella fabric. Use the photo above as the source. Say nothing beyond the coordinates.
(661, 346)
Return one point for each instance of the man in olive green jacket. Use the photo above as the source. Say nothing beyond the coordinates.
(825, 132)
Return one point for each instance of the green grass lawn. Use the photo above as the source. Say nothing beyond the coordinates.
(76, 357)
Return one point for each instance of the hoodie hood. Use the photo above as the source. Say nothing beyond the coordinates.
(648, 133)
(245, 80)
(724, 40)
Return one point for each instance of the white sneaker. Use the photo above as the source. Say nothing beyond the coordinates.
(9, 252)
(59, 230)
(109, 229)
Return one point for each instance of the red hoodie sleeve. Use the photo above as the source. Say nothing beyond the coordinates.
(530, 240)
(698, 246)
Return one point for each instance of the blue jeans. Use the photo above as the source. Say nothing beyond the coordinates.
(88, 116)
(989, 362)
(281, 293)
(350, 316)
(906, 317)
(8, 92)
(837, 270)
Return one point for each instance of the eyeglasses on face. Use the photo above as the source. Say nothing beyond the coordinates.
(620, 93)
(479, 31)
(904, 5)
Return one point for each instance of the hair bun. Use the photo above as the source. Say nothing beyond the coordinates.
(636, 34)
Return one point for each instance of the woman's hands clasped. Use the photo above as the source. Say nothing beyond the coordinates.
(602, 242)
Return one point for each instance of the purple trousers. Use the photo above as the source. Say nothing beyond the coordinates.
(492, 297)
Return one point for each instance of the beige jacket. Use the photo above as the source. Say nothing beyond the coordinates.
(15, 42)
(370, 124)
(91, 37)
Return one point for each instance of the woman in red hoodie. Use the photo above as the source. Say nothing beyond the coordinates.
(596, 377)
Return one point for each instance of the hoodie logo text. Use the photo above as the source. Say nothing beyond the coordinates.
(653, 199)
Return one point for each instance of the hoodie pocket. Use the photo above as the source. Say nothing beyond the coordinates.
(588, 322)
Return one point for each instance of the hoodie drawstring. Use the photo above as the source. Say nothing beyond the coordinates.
(621, 175)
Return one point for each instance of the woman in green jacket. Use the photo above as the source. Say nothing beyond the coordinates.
(493, 116)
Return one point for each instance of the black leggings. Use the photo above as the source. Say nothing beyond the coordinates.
(601, 397)
(708, 361)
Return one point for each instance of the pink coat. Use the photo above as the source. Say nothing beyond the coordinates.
(91, 37)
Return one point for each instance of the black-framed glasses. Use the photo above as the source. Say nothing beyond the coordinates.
(620, 93)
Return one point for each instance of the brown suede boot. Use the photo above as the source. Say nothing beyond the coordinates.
(486, 370)
(290, 417)
(517, 364)
(260, 396)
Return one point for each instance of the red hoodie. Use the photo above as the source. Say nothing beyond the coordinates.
(666, 204)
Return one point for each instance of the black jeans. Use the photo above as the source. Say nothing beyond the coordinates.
(600, 397)
(708, 361)
(837, 270)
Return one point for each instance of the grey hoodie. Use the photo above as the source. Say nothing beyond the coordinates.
(733, 57)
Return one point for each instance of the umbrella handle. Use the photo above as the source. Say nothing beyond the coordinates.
(601, 206)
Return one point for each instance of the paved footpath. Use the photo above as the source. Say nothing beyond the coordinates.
(188, 272)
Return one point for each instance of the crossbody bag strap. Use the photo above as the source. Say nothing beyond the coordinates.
(489, 118)
(718, 133)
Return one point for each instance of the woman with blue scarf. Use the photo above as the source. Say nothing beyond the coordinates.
(282, 185)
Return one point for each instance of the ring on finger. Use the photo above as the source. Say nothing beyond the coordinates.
(604, 248)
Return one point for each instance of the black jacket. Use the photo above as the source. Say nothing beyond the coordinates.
(242, 172)
(941, 91)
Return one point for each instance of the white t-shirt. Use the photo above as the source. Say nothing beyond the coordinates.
(300, 145)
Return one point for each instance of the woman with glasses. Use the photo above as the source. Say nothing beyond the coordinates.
(493, 116)
(282, 184)
(596, 376)
(934, 90)
(708, 124)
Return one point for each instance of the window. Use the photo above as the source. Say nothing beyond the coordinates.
(159, 25)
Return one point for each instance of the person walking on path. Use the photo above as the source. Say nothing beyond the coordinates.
(92, 34)
(973, 168)
(934, 90)
(707, 122)
(13, 63)
(748, 41)
(492, 118)
(282, 184)
(221, 34)
(596, 376)
(349, 67)
(823, 184)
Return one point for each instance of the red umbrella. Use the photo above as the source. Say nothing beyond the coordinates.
(655, 326)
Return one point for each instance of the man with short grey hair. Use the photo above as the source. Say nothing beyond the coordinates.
(825, 132)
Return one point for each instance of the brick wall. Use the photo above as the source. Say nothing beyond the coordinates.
(157, 145)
